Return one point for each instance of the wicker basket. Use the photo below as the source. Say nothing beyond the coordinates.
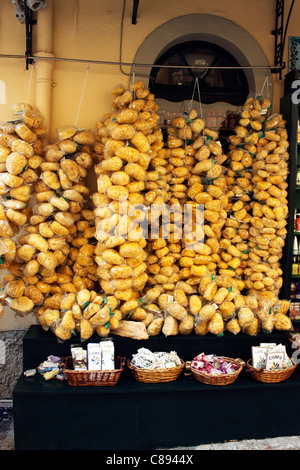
(223, 379)
(270, 376)
(92, 377)
(168, 374)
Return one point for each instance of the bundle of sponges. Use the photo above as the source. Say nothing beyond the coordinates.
(20, 160)
(83, 312)
(54, 254)
(130, 138)
(262, 141)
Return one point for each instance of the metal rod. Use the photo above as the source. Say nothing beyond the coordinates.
(131, 64)
(12, 56)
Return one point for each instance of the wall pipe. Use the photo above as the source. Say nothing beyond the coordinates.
(44, 68)
(52, 58)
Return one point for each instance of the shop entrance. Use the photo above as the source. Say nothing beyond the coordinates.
(224, 81)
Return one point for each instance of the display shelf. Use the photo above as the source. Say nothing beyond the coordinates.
(290, 112)
(54, 416)
(39, 344)
(51, 415)
(132, 415)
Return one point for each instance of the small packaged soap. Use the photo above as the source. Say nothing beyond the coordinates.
(268, 345)
(259, 356)
(107, 354)
(94, 356)
(30, 372)
(79, 356)
(52, 373)
(170, 364)
(275, 360)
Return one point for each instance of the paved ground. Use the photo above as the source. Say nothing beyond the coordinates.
(278, 443)
(6, 431)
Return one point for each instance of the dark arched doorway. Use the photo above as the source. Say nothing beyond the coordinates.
(175, 71)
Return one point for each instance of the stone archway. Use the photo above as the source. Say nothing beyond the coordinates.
(210, 28)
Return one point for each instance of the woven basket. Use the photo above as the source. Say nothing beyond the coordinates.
(92, 377)
(270, 376)
(168, 374)
(223, 379)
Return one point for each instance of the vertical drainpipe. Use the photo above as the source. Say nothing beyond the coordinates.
(44, 68)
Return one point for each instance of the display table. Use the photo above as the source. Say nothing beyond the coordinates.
(131, 415)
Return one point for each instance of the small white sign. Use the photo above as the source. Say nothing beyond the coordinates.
(2, 352)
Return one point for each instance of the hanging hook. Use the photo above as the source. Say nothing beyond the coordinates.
(192, 99)
(263, 85)
(199, 95)
(29, 86)
(200, 102)
(133, 74)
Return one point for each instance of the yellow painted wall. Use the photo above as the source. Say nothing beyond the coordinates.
(90, 29)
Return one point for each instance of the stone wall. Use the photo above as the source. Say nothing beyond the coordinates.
(11, 361)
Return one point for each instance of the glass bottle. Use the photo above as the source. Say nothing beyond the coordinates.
(225, 125)
(295, 246)
(295, 267)
(208, 120)
(297, 293)
(214, 120)
(298, 222)
(232, 121)
(220, 122)
(298, 176)
(293, 290)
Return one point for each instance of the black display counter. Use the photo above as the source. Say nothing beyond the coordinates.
(38, 344)
(51, 415)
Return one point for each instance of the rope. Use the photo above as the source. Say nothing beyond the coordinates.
(190, 105)
(266, 81)
(200, 102)
(193, 94)
(83, 88)
(132, 81)
(29, 86)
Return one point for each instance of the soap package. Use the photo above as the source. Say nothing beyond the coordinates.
(101, 356)
(259, 357)
(107, 354)
(270, 356)
(94, 356)
(79, 356)
(275, 360)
